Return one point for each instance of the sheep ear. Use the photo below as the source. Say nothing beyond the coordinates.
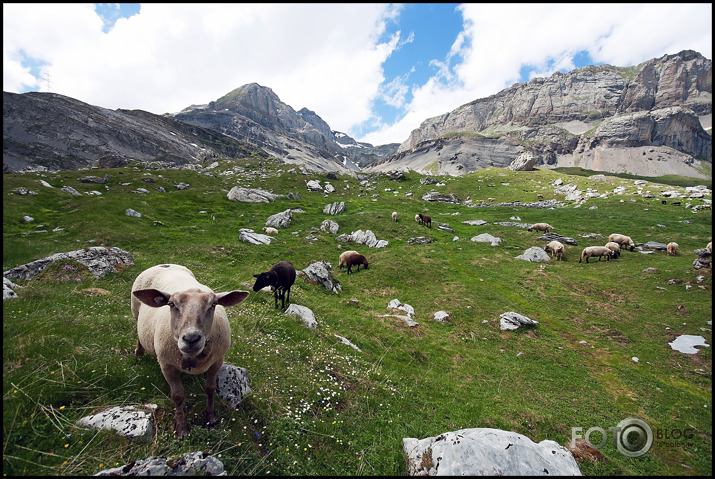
(255, 276)
(152, 297)
(231, 298)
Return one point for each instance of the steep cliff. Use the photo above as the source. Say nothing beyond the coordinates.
(661, 105)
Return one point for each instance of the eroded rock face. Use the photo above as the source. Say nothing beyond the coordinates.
(661, 106)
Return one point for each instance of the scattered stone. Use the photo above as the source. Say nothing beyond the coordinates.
(535, 254)
(486, 238)
(250, 195)
(99, 260)
(305, 314)
(134, 422)
(511, 321)
(233, 384)
(188, 464)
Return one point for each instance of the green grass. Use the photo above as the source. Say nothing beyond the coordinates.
(319, 407)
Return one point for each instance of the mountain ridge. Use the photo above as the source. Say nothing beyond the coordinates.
(648, 118)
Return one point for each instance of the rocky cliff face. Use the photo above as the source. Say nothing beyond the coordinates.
(60, 133)
(661, 105)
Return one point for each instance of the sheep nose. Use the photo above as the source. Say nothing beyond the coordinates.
(191, 338)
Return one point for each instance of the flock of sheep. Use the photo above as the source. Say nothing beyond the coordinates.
(193, 334)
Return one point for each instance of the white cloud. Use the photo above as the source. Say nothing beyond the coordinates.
(325, 57)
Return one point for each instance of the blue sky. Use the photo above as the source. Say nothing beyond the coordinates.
(373, 71)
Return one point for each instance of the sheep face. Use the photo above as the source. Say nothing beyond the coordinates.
(192, 316)
(264, 279)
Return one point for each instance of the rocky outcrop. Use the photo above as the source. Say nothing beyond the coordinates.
(60, 133)
(595, 117)
(254, 114)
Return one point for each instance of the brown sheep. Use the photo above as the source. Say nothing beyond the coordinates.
(343, 256)
(355, 259)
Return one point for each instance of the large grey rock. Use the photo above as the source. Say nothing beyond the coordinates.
(406, 308)
(233, 384)
(99, 260)
(280, 220)
(486, 238)
(330, 226)
(250, 195)
(511, 321)
(305, 314)
(487, 452)
(364, 237)
(134, 422)
(440, 197)
(249, 236)
(188, 464)
(523, 162)
(334, 208)
(8, 289)
(320, 272)
(535, 254)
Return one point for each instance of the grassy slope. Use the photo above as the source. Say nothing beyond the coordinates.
(320, 407)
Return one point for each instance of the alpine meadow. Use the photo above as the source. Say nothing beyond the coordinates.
(599, 353)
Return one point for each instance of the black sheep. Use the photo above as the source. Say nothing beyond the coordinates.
(355, 259)
(280, 278)
(426, 220)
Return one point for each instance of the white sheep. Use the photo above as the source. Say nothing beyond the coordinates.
(615, 247)
(270, 230)
(540, 227)
(344, 256)
(623, 240)
(672, 248)
(418, 219)
(557, 248)
(394, 216)
(593, 251)
(190, 335)
(709, 247)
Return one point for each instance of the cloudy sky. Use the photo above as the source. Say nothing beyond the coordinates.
(373, 71)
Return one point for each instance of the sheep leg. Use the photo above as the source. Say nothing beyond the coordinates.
(211, 379)
(171, 374)
(139, 351)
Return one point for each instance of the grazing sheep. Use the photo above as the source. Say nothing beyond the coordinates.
(615, 247)
(425, 220)
(270, 231)
(355, 259)
(709, 247)
(394, 216)
(540, 227)
(593, 251)
(623, 240)
(343, 257)
(191, 335)
(417, 219)
(280, 278)
(557, 248)
(672, 248)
